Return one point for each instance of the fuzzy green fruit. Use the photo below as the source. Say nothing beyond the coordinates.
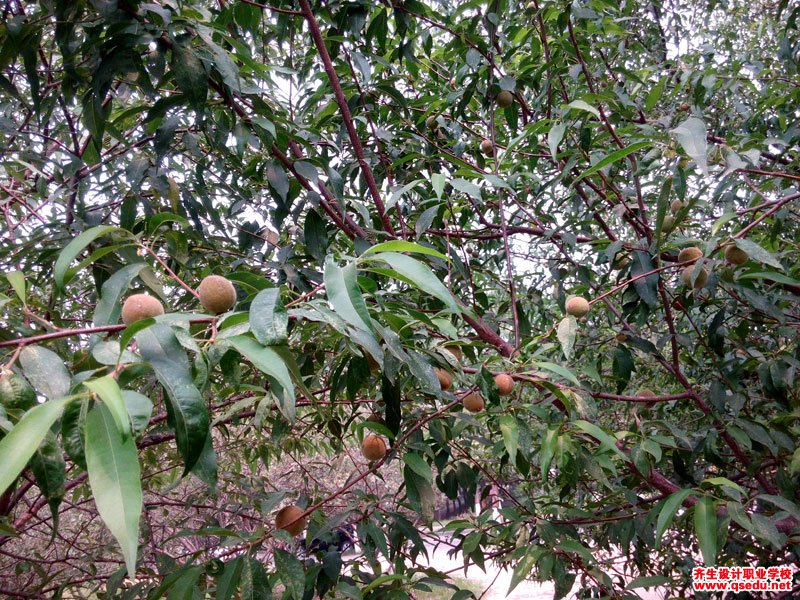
(217, 294)
(140, 306)
(735, 255)
(505, 99)
(692, 253)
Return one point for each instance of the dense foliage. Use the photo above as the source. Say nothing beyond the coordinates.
(359, 172)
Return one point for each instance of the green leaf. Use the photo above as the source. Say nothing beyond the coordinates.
(269, 321)
(139, 408)
(558, 370)
(771, 277)
(548, 450)
(438, 182)
(74, 248)
(315, 235)
(668, 509)
(73, 429)
(417, 464)
(270, 363)
(401, 246)
(758, 253)
(255, 583)
(467, 187)
(554, 138)
(21, 443)
(523, 568)
(109, 307)
(345, 296)
(654, 94)
(606, 441)
(46, 371)
(228, 582)
(113, 467)
(646, 287)
(581, 105)
(290, 570)
(567, 332)
(612, 158)
(782, 503)
(108, 391)
(724, 482)
(510, 433)
(705, 527)
(50, 470)
(206, 466)
(691, 135)
(17, 281)
(420, 275)
(186, 410)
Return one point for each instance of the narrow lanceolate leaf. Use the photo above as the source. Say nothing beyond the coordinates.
(46, 371)
(139, 408)
(186, 410)
(20, 444)
(108, 391)
(402, 246)
(255, 582)
(646, 287)
(558, 370)
(73, 431)
(345, 296)
(50, 471)
(419, 275)
(691, 135)
(228, 582)
(113, 467)
(567, 332)
(17, 281)
(668, 510)
(705, 527)
(417, 464)
(270, 363)
(74, 248)
(606, 441)
(612, 158)
(268, 318)
(523, 569)
(510, 432)
(290, 570)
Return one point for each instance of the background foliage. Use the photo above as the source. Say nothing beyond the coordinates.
(325, 157)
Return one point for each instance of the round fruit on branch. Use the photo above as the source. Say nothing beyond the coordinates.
(287, 519)
(217, 294)
(577, 306)
(373, 447)
(505, 99)
(474, 402)
(702, 277)
(692, 253)
(140, 306)
(735, 255)
(445, 378)
(505, 383)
